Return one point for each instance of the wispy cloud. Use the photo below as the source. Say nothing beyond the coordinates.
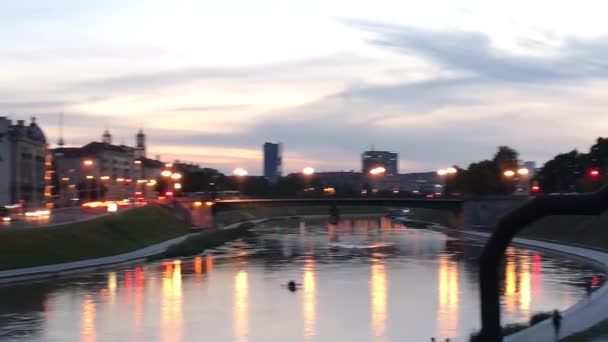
(473, 52)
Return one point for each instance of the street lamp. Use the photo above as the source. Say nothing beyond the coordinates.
(377, 170)
(166, 173)
(308, 171)
(240, 174)
(176, 176)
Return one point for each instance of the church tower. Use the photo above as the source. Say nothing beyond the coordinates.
(140, 148)
(106, 138)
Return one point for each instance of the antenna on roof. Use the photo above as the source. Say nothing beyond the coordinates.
(61, 142)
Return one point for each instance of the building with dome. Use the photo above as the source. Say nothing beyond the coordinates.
(23, 163)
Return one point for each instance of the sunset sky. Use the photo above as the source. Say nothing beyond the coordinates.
(439, 82)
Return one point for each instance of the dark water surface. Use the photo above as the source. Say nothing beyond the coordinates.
(362, 280)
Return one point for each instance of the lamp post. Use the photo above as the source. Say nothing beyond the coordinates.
(240, 175)
(376, 173)
(519, 176)
(307, 174)
(445, 175)
(87, 165)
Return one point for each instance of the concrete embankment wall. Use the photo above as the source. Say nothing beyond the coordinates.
(484, 212)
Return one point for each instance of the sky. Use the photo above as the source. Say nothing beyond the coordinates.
(440, 82)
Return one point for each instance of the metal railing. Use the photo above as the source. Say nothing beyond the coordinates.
(506, 228)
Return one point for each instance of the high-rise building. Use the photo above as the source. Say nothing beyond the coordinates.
(385, 159)
(272, 162)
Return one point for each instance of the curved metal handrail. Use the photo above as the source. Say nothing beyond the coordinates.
(509, 225)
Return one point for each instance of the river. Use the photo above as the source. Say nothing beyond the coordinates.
(363, 279)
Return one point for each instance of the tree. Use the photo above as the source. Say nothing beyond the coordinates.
(486, 177)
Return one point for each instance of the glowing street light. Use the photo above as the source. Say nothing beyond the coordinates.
(451, 170)
(308, 171)
(240, 172)
(377, 171)
(176, 176)
(166, 173)
(509, 173)
(177, 186)
(87, 162)
(442, 172)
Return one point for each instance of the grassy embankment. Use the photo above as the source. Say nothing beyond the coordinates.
(105, 236)
(510, 329)
(600, 329)
(206, 240)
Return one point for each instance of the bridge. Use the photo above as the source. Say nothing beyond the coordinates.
(458, 213)
(454, 205)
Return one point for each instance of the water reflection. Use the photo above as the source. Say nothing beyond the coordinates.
(378, 293)
(510, 290)
(449, 294)
(138, 300)
(352, 263)
(171, 302)
(240, 306)
(525, 292)
(309, 299)
(87, 325)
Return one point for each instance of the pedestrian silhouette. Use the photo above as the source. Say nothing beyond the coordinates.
(557, 323)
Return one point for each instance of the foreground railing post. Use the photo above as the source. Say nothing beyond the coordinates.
(507, 227)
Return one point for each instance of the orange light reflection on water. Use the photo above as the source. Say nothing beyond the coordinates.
(448, 289)
(87, 325)
(171, 302)
(309, 299)
(378, 290)
(241, 306)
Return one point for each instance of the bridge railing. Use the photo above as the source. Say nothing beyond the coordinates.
(509, 225)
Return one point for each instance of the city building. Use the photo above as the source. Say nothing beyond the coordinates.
(373, 159)
(103, 170)
(272, 162)
(23, 163)
(349, 179)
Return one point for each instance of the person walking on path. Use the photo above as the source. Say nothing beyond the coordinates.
(557, 323)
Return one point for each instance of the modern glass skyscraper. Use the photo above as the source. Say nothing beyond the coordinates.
(272, 162)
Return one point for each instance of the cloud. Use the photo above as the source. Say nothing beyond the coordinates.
(212, 108)
(292, 70)
(473, 52)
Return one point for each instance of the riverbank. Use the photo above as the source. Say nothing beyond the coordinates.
(105, 236)
(578, 318)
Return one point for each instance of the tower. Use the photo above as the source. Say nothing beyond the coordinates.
(61, 142)
(140, 146)
(272, 162)
(106, 138)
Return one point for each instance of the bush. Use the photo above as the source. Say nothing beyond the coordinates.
(508, 329)
(196, 244)
(539, 317)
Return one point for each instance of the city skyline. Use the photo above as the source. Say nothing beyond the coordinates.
(439, 84)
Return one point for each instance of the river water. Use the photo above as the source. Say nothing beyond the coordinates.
(361, 280)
